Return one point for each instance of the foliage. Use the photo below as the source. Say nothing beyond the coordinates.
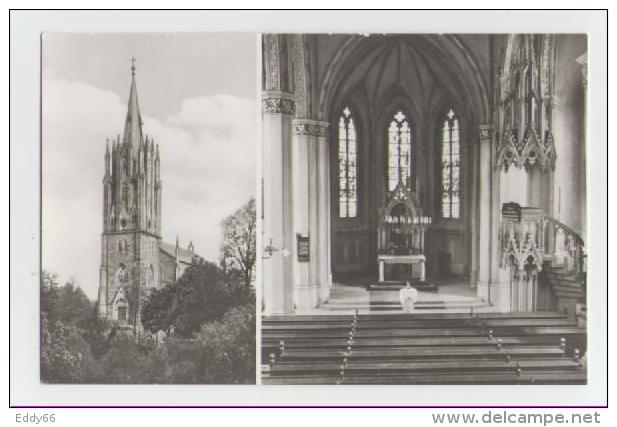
(228, 345)
(67, 317)
(238, 249)
(213, 341)
(58, 362)
(159, 310)
(202, 294)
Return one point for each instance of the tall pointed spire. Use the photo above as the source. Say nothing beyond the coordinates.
(132, 127)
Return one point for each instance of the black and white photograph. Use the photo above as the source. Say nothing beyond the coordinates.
(312, 209)
(424, 209)
(148, 174)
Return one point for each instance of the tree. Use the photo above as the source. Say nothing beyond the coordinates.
(227, 346)
(74, 306)
(202, 294)
(58, 363)
(222, 352)
(49, 296)
(238, 249)
(159, 310)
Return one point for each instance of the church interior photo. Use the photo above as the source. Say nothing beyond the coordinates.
(454, 163)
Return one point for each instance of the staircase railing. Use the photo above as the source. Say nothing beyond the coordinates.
(564, 245)
(528, 239)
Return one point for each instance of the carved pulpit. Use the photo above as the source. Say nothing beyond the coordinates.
(401, 233)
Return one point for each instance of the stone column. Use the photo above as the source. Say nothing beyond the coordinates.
(582, 60)
(322, 238)
(484, 209)
(277, 228)
(568, 131)
(306, 210)
(473, 215)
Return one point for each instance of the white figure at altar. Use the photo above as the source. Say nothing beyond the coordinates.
(408, 297)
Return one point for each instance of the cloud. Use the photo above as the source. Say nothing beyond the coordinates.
(208, 152)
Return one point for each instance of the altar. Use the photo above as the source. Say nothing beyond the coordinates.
(418, 260)
(401, 230)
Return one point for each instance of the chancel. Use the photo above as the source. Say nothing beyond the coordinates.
(454, 162)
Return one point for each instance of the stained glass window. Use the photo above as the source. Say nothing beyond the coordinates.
(450, 167)
(347, 157)
(399, 151)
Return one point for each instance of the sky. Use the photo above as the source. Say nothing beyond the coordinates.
(197, 97)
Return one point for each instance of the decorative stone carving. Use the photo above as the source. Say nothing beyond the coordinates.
(310, 127)
(273, 104)
(485, 131)
(522, 243)
(531, 150)
(524, 114)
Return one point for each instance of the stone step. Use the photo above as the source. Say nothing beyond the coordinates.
(456, 366)
(422, 353)
(493, 378)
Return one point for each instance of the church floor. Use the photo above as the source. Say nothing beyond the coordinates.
(454, 295)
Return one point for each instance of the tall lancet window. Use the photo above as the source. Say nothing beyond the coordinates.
(347, 158)
(450, 167)
(399, 152)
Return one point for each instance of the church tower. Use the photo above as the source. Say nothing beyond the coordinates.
(131, 237)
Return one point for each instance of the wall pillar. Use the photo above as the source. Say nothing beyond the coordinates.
(568, 121)
(484, 211)
(277, 227)
(582, 60)
(322, 240)
(306, 211)
(473, 215)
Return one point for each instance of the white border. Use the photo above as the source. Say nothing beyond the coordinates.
(24, 156)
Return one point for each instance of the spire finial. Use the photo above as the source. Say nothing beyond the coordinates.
(133, 66)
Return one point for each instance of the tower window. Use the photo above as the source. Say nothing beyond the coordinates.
(450, 167)
(347, 157)
(399, 152)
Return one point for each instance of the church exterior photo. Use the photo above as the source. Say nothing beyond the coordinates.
(424, 200)
(148, 239)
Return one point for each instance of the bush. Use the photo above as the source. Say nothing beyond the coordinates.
(203, 294)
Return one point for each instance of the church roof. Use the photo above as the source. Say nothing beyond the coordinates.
(184, 255)
(132, 127)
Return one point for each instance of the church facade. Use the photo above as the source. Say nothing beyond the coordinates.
(481, 137)
(134, 259)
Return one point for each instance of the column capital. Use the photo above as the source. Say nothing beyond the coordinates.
(310, 127)
(274, 102)
(486, 131)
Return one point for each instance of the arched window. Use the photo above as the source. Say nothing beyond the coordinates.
(347, 157)
(121, 275)
(450, 167)
(399, 152)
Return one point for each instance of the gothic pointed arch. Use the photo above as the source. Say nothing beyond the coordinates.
(347, 148)
(450, 166)
(400, 160)
(447, 57)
